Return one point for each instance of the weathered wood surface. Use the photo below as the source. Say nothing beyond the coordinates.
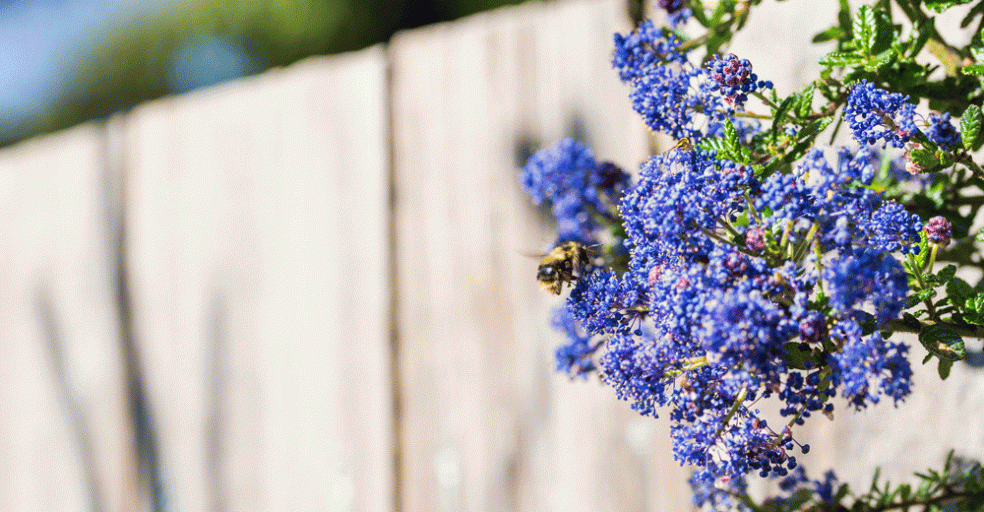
(486, 423)
(65, 441)
(258, 252)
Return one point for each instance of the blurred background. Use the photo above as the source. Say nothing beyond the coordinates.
(66, 61)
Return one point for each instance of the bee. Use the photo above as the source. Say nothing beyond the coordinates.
(561, 265)
(683, 145)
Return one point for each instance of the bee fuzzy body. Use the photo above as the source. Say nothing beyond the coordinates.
(561, 266)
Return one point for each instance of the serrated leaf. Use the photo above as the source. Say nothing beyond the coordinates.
(977, 52)
(924, 158)
(970, 126)
(805, 105)
(944, 368)
(975, 303)
(973, 70)
(942, 342)
(716, 144)
(842, 59)
(731, 141)
(864, 29)
(880, 60)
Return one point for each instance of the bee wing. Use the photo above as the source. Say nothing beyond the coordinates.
(536, 256)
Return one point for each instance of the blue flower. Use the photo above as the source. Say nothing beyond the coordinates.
(942, 132)
(734, 78)
(876, 114)
(579, 189)
(574, 358)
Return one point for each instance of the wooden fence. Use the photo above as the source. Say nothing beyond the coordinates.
(306, 290)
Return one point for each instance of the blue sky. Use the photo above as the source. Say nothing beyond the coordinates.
(40, 39)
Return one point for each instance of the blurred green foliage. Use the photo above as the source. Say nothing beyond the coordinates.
(133, 64)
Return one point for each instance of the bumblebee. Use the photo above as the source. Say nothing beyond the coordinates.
(683, 145)
(561, 265)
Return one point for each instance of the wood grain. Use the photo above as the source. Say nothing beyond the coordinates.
(258, 247)
(64, 428)
(487, 424)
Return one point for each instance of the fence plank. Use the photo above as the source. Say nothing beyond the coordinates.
(486, 424)
(64, 430)
(259, 254)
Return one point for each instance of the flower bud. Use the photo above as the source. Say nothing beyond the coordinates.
(938, 230)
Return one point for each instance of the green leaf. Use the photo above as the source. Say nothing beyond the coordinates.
(714, 144)
(844, 16)
(731, 138)
(922, 31)
(973, 70)
(971, 14)
(958, 291)
(697, 9)
(944, 368)
(796, 356)
(864, 29)
(880, 60)
(805, 105)
(780, 114)
(946, 274)
(975, 303)
(942, 342)
(939, 6)
(829, 35)
(868, 323)
(924, 158)
(885, 34)
(842, 59)
(970, 126)
(815, 127)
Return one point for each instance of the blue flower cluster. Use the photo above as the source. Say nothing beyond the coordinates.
(876, 114)
(579, 189)
(670, 94)
(739, 286)
(723, 304)
(725, 310)
(720, 494)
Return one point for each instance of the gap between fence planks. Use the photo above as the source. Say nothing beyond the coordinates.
(65, 436)
(259, 254)
(486, 423)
